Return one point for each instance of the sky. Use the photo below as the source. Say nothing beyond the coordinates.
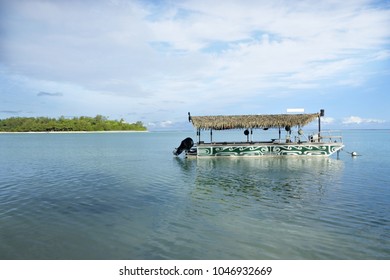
(155, 61)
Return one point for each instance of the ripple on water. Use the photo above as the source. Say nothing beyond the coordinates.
(125, 197)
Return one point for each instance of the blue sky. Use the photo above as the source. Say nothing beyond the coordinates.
(154, 61)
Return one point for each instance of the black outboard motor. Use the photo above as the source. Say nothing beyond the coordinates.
(185, 145)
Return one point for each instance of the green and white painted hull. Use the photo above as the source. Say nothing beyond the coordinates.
(260, 149)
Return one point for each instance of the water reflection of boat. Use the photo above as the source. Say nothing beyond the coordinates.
(294, 143)
(280, 165)
(266, 178)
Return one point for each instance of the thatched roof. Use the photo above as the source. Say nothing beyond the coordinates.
(252, 121)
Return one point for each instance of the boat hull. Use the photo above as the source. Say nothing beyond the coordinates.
(257, 150)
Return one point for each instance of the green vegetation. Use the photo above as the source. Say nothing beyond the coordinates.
(44, 124)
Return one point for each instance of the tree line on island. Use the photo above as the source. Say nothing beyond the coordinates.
(45, 124)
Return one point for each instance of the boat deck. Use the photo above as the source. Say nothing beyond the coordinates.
(255, 143)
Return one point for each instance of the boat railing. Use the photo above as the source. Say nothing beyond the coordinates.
(331, 136)
(325, 136)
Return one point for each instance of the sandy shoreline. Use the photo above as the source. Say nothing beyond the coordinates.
(70, 132)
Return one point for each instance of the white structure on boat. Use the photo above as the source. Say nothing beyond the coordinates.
(320, 143)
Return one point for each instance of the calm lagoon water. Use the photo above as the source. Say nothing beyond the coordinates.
(124, 196)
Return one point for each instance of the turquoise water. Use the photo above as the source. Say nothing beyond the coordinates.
(124, 196)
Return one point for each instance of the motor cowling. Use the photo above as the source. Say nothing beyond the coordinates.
(185, 145)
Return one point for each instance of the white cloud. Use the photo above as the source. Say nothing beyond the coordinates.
(161, 125)
(359, 120)
(166, 123)
(382, 55)
(327, 120)
(52, 94)
(156, 58)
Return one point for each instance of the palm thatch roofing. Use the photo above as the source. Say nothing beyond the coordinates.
(251, 121)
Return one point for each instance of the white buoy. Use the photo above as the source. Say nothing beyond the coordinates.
(354, 154)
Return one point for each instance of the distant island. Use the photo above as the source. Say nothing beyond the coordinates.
(45, 124)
